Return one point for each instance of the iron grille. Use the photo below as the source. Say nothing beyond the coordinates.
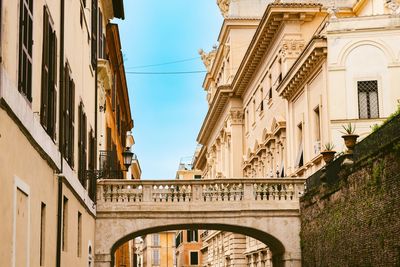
(368, 99)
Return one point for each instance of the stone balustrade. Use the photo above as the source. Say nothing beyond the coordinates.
(199, 191)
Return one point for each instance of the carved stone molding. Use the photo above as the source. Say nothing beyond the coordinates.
(291, 48)
(224, 7)
(236, 116)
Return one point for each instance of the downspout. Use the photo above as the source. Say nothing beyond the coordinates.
(60, 183)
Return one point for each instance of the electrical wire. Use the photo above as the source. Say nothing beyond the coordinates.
(165, 73)
(164, 63)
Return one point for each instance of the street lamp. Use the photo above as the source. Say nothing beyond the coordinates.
(127, 155)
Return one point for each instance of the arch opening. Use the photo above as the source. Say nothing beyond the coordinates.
(275, 246)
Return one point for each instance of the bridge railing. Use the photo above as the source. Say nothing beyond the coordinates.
(209, 190)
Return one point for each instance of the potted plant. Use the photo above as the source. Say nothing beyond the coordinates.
(349, 137)
(328, 154)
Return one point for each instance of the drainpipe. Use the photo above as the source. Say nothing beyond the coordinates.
(60, 183)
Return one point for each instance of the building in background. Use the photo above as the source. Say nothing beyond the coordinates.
(187, 242)
(158, 250)
(49, 126)
(284, 79)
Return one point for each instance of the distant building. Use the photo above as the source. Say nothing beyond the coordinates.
(284, 79)
(187, 242)
(158, 250)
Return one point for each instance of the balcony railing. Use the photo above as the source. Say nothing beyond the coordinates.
(204, 191)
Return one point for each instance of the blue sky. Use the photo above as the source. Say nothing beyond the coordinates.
(168, 110)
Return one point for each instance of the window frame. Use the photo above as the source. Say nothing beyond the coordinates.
(25, 49)
(368, 103)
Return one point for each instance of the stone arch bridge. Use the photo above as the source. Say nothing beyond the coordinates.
(265, 209)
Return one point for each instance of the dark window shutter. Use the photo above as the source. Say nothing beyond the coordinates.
(100, 35)
(72, 123)
(44, 107)
(94, 34)
(53, 118)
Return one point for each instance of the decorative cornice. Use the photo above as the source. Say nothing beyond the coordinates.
(274, 17)
(313, 54)
(224, 7)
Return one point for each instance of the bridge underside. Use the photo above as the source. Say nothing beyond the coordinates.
(284, 243)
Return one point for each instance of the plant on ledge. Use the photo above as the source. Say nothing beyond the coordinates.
(349, 136)
(328, 154)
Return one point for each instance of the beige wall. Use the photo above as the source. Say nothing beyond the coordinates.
(33, 162)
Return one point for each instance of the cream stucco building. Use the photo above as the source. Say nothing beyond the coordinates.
(49, 128)
(284, 78)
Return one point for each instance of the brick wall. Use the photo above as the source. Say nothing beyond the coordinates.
(356, 220)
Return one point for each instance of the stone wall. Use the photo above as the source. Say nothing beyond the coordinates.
(356, 220)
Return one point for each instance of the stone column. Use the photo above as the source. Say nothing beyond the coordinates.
(236, 153)
(102, 260)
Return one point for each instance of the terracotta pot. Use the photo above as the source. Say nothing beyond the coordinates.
(350, 141)
(328, 156)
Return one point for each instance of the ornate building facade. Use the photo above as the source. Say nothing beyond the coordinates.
(284, 78)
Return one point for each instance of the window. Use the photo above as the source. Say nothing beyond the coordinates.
(197, 176)
(92, 164)
(192, 236)
(79, 240)
(101, 37)
(82, 145)
(299, 158)
(262, 100)
(368, 106)
(317, 124)
(67, 119)
(254, 111)
(156, 257)
(194, 258)
(65, 224)
(178, 239)
(25, 48)
(42, 233)
(94, 35)
(247, 120)
(49, 76)
(156, 240)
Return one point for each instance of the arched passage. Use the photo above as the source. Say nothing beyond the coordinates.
(272, 242)
(265, 209)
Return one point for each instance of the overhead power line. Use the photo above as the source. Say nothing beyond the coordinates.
(165, 73)
(164, 63)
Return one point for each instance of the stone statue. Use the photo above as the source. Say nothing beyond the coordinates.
(224, 7)
(208, 58)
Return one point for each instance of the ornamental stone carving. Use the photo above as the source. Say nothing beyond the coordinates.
(236, 116)
(291, 48)
(208, 58)
(224, 7)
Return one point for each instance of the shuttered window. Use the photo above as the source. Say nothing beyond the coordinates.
(67, 118)
(49, 76)
(92, 164)
(94, 34)
(25, 48)
(82, 145)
